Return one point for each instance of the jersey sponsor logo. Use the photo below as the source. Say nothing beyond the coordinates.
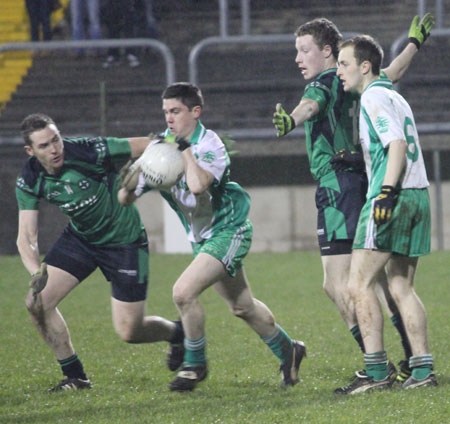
(382, 124)
(209, 157)
(52, 195)
(71, 207)
(84, 184)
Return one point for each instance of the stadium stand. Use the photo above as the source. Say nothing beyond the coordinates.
(238, 81)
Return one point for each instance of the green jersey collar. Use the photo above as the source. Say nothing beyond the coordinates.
(198, 134)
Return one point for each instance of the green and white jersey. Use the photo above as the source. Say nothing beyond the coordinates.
(335, 127)
(386, 116)
(85, 190)
(223, 205)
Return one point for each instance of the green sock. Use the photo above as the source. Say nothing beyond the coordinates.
(195, 352)
(421, 365)
(357, 336)
(376, 365)
(279, 343)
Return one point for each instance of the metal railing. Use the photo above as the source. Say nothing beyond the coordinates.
(422, 8)
(224, 17)
(100, 44)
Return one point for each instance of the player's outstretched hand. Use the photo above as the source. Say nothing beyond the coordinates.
(129, 175)
(283, 122)
(345, 159)
(384, 205)
(39, 279)
(420, 31)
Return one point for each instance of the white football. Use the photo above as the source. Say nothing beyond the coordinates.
(162, 165)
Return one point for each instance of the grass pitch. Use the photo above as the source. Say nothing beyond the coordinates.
(130, 381)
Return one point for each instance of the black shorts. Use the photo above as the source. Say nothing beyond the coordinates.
(339, 199)
(126, 267)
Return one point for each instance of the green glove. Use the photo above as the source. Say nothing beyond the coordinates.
(420, 31)
(283, 122)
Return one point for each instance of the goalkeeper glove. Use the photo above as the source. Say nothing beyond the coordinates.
(344, 159)
(420, 31)
(284, 123)
(384, 205)
(39, 279)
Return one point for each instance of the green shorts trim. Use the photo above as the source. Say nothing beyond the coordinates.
(407, 233)
(229, 246)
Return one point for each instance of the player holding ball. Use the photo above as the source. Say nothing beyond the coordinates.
(214, 211)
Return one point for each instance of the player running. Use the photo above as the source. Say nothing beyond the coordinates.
(214, 211)
(78, 175)
(394, 227)
(330, 116)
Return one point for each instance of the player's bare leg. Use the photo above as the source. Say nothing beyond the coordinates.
(365, 267)
(133, 326)
(45, 314)
(366, 264)
(237, 293)
(336, 269)
(401, 272)
(203, 271)
(53, 329)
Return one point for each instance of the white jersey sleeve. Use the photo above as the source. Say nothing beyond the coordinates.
(211, 154)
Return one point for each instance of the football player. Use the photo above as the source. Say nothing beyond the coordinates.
(78, 175)
(394, 227)
(214, 211)
(330, 116)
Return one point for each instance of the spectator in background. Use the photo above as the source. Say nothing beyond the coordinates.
(120, 21)
(145, 19)
(77, 12)
(39, 12)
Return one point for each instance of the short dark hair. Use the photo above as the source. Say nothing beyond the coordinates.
(32, 123)
(366, 48)
(324, 33)
(185, 92)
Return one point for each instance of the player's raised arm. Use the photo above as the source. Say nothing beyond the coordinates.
(418, 33)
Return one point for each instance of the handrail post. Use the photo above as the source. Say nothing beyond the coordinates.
(223, 17)
(245, 17)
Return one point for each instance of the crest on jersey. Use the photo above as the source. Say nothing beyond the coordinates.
(84, 184)
(209, 157)
(100, 147)
(20, 182)
(382, 124)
